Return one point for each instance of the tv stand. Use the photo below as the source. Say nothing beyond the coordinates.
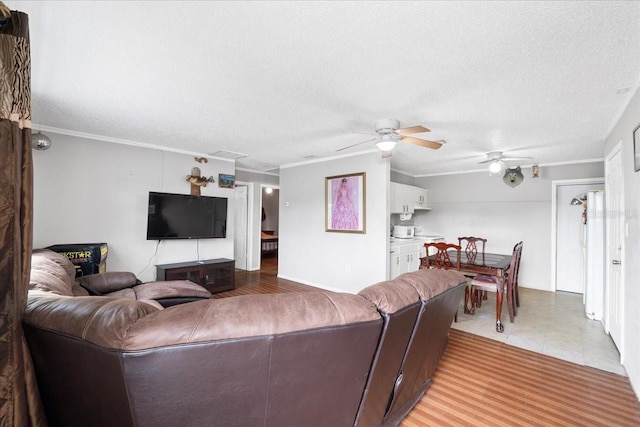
(217, 275)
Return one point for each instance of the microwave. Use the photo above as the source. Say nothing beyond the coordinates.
(403, 231)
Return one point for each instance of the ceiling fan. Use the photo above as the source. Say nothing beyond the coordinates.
(389, 135)
(497, 161)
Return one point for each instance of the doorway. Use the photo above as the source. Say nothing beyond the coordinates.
(269, 228)
(568, 233)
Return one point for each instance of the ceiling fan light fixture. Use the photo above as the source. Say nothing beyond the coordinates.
(386, 143)
(496, 166)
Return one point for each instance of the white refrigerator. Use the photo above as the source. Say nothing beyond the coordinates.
(594, 242)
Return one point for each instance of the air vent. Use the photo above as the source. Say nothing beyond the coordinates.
(224, 154)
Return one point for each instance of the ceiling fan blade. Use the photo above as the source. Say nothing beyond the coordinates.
(423, 142)
(385, 154)
(412, 130)
(517, 158)
(504, 159)
(357, 143)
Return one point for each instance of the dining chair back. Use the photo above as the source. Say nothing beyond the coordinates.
(512, 279)
(441, 256)
(472, 246)
(442, 259)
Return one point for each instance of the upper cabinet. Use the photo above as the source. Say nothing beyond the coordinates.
(421, 198)
(401, 198)
(407, 198)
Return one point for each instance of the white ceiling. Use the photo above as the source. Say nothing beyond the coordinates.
(285, 82)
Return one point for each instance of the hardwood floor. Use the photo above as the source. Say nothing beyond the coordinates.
(482, 382)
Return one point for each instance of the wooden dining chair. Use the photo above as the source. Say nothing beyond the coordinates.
(513, 280)
(483, 282)
(442, 259)
(473, 248)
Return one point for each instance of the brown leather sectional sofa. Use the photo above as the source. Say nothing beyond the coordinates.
(297, 359)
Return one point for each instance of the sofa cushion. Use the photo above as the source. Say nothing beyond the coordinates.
(170, 289)
(432, 282)
(248, 316)
(51, 272)
(126, 293)
(111, 281)
(391, 296)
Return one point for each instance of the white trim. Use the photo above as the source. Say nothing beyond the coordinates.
(554, 218)
(257, 171)
(615, 150)
(572, 162)
(327, 159)
(128, 142)
(250, 228)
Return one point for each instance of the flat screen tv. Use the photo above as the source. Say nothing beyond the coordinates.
(183, 216)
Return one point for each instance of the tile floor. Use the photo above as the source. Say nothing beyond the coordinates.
(551, 323)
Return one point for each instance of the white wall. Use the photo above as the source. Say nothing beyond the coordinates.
(623, 131)
(477, 204)
(93, 191)
(307, 253)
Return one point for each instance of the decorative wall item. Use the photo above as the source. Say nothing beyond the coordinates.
(198, 181)
(345, 203)
(535, 171)
(202, 160)
(226, 181)
(636, 148)
(40, 141)
(513, 177)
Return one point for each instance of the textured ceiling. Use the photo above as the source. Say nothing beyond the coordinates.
(285, 82)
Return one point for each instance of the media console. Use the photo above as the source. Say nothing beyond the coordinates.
(217, 275)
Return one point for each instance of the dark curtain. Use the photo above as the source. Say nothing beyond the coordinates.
(19, 401)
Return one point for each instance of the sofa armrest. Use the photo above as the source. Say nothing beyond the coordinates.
(111, 281)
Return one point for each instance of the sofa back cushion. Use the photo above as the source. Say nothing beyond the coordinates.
(51, 272)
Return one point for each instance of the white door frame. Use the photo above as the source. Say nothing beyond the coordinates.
(241, 216)
(554, 217)
(250, 226)
(608, 256)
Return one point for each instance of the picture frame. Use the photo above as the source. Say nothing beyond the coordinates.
(636, 148)
(345, 203)
(226, 181)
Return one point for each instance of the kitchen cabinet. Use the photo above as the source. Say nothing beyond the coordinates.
(407, 198)
(402, 198)
(404, 257)
(421, 201)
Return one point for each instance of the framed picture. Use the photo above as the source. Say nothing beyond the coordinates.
(345, 203)
(226, 181)
(636, 148)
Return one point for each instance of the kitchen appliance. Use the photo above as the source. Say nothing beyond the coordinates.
(593, 245)
(403, 231)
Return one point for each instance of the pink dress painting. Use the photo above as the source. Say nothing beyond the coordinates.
(345, 211)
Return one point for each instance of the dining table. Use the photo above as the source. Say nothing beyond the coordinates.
(489, 264)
